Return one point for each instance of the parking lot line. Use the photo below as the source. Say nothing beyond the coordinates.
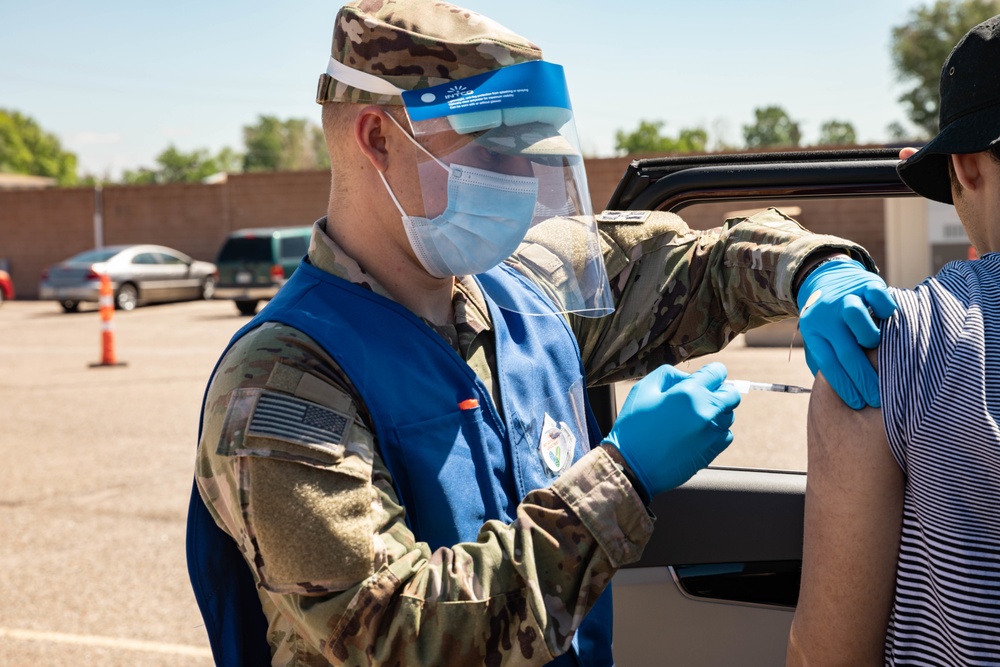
(106, 642)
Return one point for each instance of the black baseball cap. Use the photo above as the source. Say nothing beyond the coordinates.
(969, 116)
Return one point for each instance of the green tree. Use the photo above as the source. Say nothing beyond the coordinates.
(229, 161)
(27, 149)
(175, 166)
(140, 176)
(178, 167)
(837, 133)
(648, 139)
(772, 128)
(276, 145)
(920, 46)
(897, 133)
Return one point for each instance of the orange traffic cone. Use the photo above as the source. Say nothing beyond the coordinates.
(106, 303)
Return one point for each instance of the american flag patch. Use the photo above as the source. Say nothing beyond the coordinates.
(290, 418)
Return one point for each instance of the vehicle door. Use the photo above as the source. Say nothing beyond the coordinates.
(145, 271)
(179, 281)
(291, 250)
(718, 582)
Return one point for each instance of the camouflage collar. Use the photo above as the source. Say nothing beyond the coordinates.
(474, 312)
(325, 254)
(470, 306)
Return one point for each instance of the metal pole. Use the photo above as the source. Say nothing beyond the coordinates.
(98, 217)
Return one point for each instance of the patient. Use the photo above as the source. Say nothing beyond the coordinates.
(901, 557)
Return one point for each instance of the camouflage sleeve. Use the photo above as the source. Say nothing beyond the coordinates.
(682, 293)
(341, 577)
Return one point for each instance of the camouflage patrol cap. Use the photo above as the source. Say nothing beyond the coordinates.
(412, 44)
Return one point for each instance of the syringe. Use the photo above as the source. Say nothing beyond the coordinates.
(745, 386)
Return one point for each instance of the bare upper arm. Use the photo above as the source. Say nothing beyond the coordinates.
(853, 514)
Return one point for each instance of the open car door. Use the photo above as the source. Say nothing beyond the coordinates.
(718, 582)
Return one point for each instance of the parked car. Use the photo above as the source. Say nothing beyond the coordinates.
(6, 287)
(255, 263)
(140, 274)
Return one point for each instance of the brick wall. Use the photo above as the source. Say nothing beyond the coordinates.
(38, 227)
(42, 227)
(278, 199)
(192, 218)
(602, 178)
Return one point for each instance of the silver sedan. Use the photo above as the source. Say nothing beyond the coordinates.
(140, 274)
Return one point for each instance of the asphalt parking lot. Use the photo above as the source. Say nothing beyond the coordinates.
(97, 469)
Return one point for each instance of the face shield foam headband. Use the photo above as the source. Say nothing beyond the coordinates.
(486, 217)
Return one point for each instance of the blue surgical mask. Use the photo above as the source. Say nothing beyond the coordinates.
(487, 216)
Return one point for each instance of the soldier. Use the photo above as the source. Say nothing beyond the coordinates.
(397, 462)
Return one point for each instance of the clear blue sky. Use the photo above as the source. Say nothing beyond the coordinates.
(119, 81)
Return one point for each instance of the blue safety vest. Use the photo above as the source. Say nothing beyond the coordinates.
(454, 461)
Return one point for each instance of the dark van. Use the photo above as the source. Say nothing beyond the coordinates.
(255, 263)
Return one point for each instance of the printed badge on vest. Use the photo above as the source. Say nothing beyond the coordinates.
(557, 445)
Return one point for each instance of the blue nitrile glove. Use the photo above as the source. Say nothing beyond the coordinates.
(673, 424)
(834, 302)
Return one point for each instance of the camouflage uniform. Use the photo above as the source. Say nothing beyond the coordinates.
(340, 576)
(342, 579)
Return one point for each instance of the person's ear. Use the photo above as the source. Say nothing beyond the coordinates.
(967, 170)
(370, 132)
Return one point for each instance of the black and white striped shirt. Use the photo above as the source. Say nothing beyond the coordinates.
(939, 375)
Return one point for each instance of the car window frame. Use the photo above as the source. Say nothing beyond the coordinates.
(673, 183)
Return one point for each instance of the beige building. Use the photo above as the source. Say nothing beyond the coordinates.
(23, 182)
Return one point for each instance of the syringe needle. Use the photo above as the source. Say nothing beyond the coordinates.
(745, 386)
(792, 389)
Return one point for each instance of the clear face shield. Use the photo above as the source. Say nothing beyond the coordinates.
(502, 179)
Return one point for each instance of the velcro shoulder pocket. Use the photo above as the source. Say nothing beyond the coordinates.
(304, 470)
